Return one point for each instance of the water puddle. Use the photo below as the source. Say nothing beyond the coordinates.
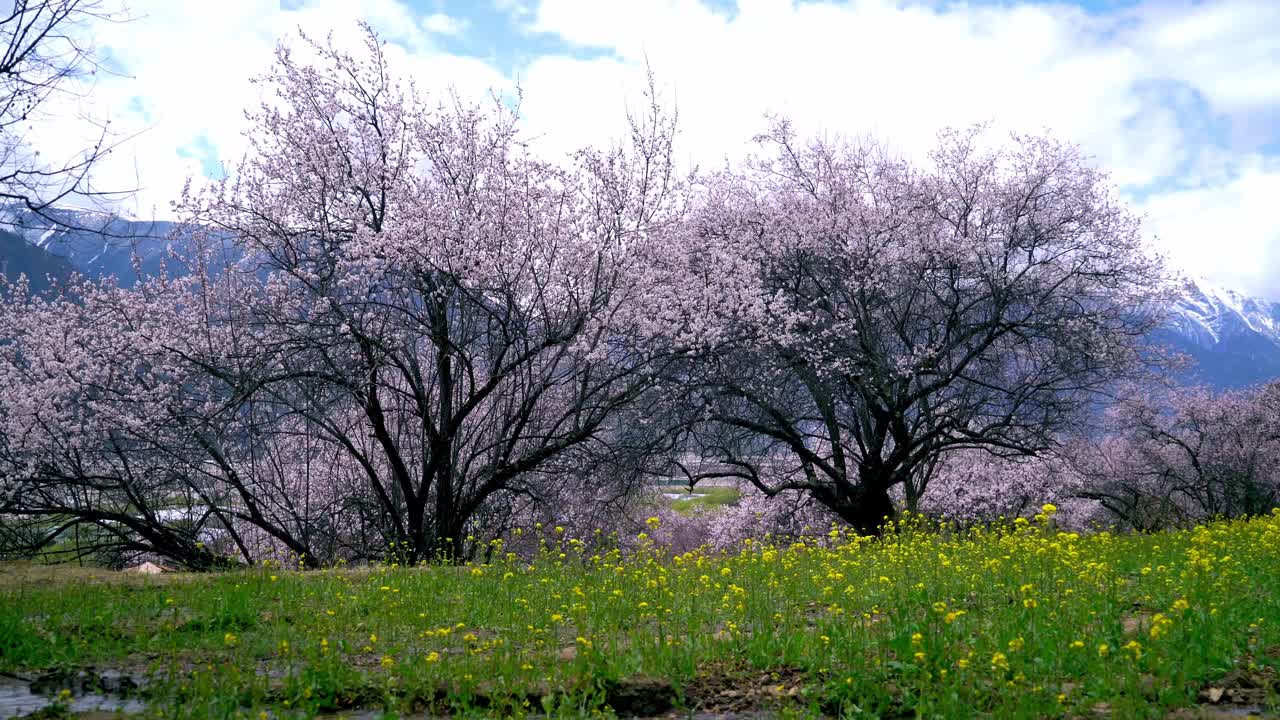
(108, 692)
(1237, 711)
(683, 496)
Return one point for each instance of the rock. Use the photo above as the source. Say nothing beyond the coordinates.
(146, 568)
(640, 697)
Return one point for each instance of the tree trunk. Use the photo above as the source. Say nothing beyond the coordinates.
(867, 508)
(447, 539)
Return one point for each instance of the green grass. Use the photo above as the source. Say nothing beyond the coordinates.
(1023, 622)
(712, 497)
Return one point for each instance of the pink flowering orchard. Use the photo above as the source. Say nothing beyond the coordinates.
(401, 331)
(857, 318)
(1185, 455)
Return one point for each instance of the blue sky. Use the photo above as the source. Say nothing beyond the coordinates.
(1178, 99)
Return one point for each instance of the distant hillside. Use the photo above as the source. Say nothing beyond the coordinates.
(96, 244)
(18, 257)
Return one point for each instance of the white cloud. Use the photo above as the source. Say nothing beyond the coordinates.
(1175, 98)
(1143, 91)
(188, 68)
(1227, 49)
(1229, 232)
(444, 24)
(515, 9)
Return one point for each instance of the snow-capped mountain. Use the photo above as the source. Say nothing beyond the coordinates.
(1234, 338)
(94, 243)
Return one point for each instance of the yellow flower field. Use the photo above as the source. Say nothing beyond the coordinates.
(1018, 621)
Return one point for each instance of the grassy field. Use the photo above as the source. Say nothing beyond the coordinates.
(708, 497)
(1019, 622)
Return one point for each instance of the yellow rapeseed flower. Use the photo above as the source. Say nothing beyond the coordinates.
(1159, 625)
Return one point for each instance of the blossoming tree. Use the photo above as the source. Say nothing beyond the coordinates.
(1186, 455)
(438, 303)
(856, 316)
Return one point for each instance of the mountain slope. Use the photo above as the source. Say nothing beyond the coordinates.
(18, 257)
(1234, 338)
(94, 243)
(100, 245)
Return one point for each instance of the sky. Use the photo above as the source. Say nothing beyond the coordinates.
(1179, 100)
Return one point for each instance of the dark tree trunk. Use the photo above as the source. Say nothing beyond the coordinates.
(446, 543)
(867, 508)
